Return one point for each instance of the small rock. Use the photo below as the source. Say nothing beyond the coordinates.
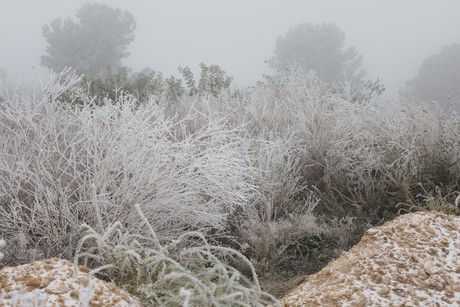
(372, 231)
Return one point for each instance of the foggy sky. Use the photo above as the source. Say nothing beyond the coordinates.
(393, 36)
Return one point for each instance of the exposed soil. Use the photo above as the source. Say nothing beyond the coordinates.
(56, 282)
(413, 260)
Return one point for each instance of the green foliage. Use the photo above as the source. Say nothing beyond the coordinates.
(320, 48)
(438, 77)
(178, 273)
(141, 85)
(212, 80)
(98, 39)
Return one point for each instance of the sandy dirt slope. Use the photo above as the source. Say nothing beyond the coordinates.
(55, 282)
(413, 260)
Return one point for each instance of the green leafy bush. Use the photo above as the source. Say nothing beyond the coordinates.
(147, 83)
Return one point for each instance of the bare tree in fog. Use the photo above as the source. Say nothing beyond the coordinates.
(320, 48)
(98, 39)
(439, 77)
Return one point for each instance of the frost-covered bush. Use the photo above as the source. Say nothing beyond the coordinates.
(187, 271)
(353, 151)
(359, 156)
(62, 165)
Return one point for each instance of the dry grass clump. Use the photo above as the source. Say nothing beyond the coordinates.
(280, 229)
(179, 273)
(433, 201)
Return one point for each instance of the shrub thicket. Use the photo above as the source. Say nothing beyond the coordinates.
(148, 84)
(288, 173)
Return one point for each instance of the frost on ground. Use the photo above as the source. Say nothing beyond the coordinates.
(56, 282)
(413, 260)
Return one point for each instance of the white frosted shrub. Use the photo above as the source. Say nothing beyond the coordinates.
(353, 155)
(354, 152)
(62, 165)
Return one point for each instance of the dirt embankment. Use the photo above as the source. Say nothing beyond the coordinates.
(413, 260)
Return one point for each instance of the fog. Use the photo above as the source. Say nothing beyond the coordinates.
(394, 37)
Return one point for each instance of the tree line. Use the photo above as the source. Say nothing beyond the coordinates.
(96, 41)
